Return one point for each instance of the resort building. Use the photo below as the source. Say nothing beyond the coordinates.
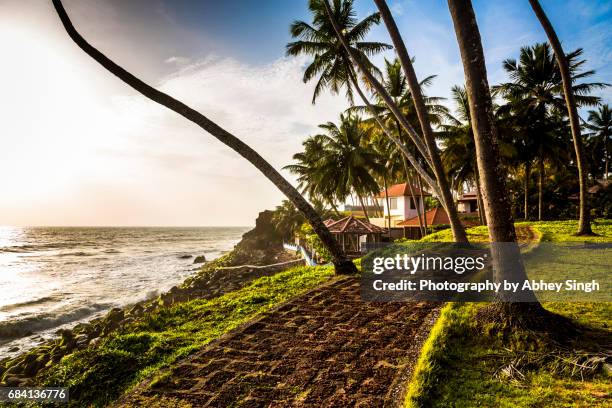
(468, 202)
(351, 233)
(401, 204)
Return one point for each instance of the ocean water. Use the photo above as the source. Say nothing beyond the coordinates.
(54, 278)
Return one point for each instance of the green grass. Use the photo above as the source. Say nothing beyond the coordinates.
(460, 363)
(97, 376)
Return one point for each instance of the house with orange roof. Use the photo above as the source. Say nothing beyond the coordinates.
(402, 205)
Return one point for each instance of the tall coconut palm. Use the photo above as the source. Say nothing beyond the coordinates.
(600, 124)
(536, 91)
(341, 263)
(584, 225)
(331, 66)
(345, 162)
(506, 258)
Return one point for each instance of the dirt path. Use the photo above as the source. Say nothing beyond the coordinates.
(324, 348)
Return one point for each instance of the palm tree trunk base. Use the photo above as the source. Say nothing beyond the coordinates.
(509, 316)
(345, 267)
(588, 233)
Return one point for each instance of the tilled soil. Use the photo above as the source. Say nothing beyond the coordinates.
(326, 348)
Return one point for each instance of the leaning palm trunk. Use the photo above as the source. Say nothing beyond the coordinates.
(481, 216)
(584, 225)
(506, 262)
(409, 182)
(423, 115)
(363, 207)
(341, 263)
(420, 185)
(405, 152)
(388, 203)
(416, 205)
(379, 209)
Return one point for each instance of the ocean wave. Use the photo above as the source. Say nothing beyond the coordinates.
(78, 253)
(39, 247)
(24, 327)
(32, 302)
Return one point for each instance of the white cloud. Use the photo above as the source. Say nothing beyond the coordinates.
(177, 60)
(397, 9)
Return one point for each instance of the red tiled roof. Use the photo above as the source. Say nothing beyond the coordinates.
(352, 225)
(469, 196)
(400, 190)
(437, 216)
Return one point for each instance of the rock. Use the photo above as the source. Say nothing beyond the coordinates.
(12, 381)
(185, 256)
(112, 320)
(607, 368)
(199, 259)
(81, 327)
(136, 310)
(31, 365)
(259, 245)
(67, 341)
(13, 349)
(16, 369)
(25, 382)
(95, 342)
(82, 340)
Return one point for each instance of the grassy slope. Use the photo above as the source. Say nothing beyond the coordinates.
(99, 375)
(458, 363)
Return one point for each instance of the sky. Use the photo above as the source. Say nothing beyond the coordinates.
(78, 147)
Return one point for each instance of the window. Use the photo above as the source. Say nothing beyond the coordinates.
(393, 203)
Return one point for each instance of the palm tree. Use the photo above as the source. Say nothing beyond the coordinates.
(536, 91)
(341, 263)
(600, 123)
(306, 167)
(345, 162)
(287, 219)
(563, 61)
(506, 258)
(331, 63)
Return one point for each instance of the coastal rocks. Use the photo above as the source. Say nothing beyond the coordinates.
(199, 259)
(260, 245)
(136, 310)
(185, 256)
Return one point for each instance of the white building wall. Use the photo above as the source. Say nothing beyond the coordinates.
(403, 210)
